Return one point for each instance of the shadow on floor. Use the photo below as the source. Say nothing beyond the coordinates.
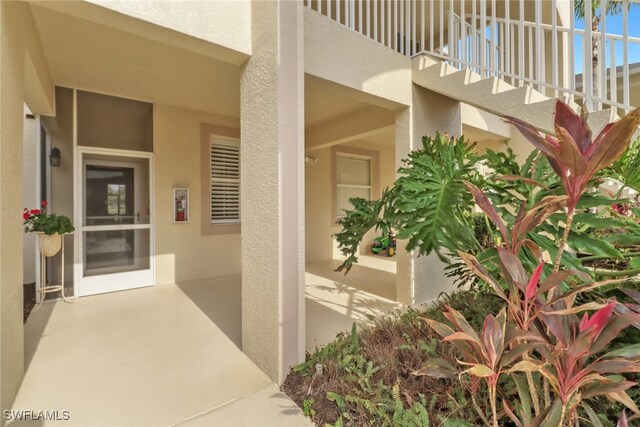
(219, 298)
(35, 331)
(372, 280)
(333, 301)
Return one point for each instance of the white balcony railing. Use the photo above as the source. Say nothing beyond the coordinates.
(519, 41)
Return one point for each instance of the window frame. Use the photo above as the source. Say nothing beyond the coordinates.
(207, 131)
(230, 142)
(372, 155)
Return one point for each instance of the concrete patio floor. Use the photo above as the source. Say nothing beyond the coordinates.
(334, 301)
(169, 354)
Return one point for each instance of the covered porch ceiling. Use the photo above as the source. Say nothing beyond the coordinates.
(336, 115)
(96, 57)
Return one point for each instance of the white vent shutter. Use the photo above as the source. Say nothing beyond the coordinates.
(353, 179)
(225, 181)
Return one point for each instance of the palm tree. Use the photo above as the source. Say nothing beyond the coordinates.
(614, 7)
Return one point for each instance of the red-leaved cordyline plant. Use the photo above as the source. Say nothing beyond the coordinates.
(574, 155)
(541, 314)
(487, 355)
(541, 331)
(630, 308)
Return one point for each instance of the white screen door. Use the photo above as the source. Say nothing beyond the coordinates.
(115, 235)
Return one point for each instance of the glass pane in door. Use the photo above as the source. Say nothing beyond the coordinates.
(115, 251)
(116, 212)
(110, 195)
(116, 193)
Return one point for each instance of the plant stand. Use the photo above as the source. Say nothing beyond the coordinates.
(46, 289)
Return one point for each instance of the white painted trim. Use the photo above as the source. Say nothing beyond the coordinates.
(504, 59)
(77, 219)
(114, 281)
(117, 227)
(37, 189)
(118, 282)
(114, 152)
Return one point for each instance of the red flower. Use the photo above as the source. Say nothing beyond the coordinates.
(44, 203)
(621, 208)
(35, 211)
(25, 216)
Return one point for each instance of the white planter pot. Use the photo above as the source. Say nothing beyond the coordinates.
(49, 245)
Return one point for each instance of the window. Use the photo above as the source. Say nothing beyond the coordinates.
(225, 180)
(116, 199)
(353, 179)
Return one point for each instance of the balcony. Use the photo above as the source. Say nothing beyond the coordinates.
(539, 44)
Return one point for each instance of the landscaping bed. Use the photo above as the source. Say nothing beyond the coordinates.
(547, 335)
(29, 292)
(367, 379)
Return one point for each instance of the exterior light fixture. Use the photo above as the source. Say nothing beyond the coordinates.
(55, 157)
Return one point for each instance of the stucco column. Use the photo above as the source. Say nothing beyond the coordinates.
(404, 261)
(421, 279)
(11, 116)
(272, 189)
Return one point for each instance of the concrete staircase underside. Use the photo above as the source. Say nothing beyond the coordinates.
(495, 95)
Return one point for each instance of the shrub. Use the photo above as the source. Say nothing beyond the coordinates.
(540, 332)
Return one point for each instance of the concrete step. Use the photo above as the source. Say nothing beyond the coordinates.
(599, 119)
(497, 96)
(461, 78)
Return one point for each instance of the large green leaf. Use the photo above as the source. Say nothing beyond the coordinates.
(428, 205)
(585, 243)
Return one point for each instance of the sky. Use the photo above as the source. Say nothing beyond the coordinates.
(614, 26)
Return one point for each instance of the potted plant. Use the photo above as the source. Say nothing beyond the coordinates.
(49, 227)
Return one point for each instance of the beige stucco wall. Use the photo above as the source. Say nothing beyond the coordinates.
(225, 23)
(365, 66)
(431, 112)
(272, 189)
(38, 84)
(17, 43)
(318, 239)
(11, 332)
(182, 252)
(318, 201)
(60, 133)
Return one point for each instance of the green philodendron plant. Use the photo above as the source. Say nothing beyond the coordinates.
(427, 205)
(541, 332)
